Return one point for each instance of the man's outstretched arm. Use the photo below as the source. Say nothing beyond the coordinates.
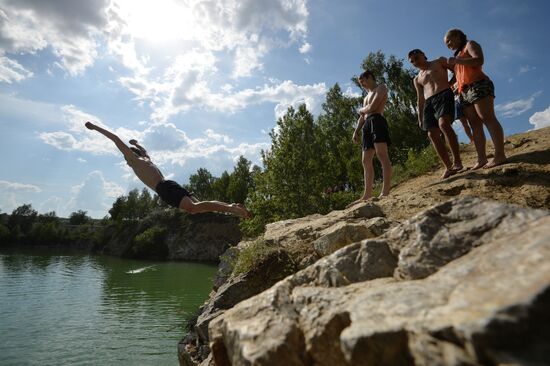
(125, 150)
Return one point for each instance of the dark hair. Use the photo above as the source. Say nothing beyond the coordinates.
(455, 32)
(365, 75)
(136, 151)
(416, 51)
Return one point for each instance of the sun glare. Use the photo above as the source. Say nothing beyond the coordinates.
(159, 21)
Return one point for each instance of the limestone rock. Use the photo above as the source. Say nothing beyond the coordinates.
(344, 233)
(483, 302)
(311, 227)
(449, 230)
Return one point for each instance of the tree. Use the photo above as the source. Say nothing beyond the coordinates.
(132, 205)
(341, 158)
(202, 184)
(49, 217)
(118, 210)
(4, 235)
(23, 217)
(145, 204)
(221, 186)
(79, 217)
(240, 181)
(289, 184)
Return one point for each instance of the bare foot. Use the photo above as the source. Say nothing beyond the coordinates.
(241, 211)
(447, 173)
(479, 165)
(360, 200)
(457, 167)
(495, 162)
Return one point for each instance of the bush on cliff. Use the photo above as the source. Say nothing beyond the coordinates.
(150, 244)
(4, 234)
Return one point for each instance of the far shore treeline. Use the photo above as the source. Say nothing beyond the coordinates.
(311, 167)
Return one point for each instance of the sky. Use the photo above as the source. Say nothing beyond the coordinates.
(201, 82)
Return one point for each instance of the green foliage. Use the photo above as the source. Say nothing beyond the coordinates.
(79, 217)
(220, 187)
(250, 255)
(5, 235)
(134, 206)
(23, 216)
(232, 187)
(44, 234)
(240, 181)
(201, 183)
(150, 243)
(418, 163)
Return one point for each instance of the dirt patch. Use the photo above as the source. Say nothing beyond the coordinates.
(523, 180)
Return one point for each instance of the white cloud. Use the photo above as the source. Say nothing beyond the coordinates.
(517, 107)
(11, 70)
(78, 138)
(284, 94)
(305, 48)
(168, 146)
(94, 195)
(351, 93)
(243, 31)
(14, 186)
(14, 194)
(53, 203)
(236, 32)
(526, 68)
(540, 119)
(247, 59)
(68, 27)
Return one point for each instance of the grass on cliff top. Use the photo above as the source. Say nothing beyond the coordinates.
(248, 256)
(418, 163)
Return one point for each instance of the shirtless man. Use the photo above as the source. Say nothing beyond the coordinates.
(169, 191)
(376, 137)
(436, 107)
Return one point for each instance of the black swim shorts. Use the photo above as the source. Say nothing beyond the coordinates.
(171, 192)
(477, 90)
(440, 104)
(375, 130)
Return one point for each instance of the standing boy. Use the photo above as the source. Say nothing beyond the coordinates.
(376, 137)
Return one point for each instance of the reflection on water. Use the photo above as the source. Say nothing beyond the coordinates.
(90, 310)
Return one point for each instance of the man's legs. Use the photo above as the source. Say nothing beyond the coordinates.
(192, 206)
(434, 134)
(445, 124)
(368, 173)
(477, 134)
(485, 109)
(467, 129)
(381, 149)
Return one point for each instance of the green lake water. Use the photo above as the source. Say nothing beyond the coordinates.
(79, 309)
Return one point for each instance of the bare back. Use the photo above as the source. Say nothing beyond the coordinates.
(434, 79)
(145, 170)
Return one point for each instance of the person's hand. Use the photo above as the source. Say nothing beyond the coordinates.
(133, 142)
(89, 125)
(451, 61)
